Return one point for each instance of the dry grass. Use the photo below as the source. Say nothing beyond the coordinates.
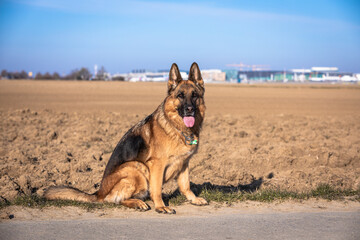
(211, 195)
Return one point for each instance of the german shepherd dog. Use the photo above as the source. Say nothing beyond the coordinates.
(154, 151)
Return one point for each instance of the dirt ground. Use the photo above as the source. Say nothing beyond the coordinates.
(292, 137)
(184, 210)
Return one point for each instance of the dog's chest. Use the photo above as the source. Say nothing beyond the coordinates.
(176, 163)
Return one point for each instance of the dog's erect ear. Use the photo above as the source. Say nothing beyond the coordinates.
(195, 75)
(174, 78)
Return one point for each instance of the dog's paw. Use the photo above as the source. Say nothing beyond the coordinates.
(136, 203)
(142, 206)
(199, 201)
(165, 210)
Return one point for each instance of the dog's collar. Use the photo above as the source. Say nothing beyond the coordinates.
(190, 139)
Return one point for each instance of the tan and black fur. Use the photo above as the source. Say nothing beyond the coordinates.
(153, 151)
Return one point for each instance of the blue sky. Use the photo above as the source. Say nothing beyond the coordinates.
(61, 35)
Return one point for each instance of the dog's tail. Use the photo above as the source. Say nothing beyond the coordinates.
(68, 193)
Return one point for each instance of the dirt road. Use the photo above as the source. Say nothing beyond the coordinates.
(317, 226)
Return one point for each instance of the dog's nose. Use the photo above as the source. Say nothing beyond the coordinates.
(189, 109)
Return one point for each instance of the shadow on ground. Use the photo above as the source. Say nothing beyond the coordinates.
(198, 188)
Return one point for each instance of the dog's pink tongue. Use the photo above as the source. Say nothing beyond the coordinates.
(189, 121)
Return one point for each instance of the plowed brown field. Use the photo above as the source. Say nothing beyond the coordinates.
(291, 137)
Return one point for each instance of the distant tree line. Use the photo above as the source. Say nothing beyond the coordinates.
(14, 75)
(76, 74)
(47, 76)
(82, 74)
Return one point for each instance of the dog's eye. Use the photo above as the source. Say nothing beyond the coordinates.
(194, 95)
(181, 95)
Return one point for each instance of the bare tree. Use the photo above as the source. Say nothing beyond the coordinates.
(101, 74)
(4, 73)
(47, 76)
(82, 74)
(56, 76)
(38, 76)
(23, 75)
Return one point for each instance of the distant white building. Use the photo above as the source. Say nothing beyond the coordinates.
(314, 74)
(148, 76)
(324, 69)
(331, 74)
(210, 75)
(300, 74)
(348, 78)
(323, 74)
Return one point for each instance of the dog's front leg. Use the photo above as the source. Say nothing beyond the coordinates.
(184, 187)
(156, 182)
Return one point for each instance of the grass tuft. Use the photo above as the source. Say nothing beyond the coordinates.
(177, 200)
(327, 192)
(269, 195)
(35, 201)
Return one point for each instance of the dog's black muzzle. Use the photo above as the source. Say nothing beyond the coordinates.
(189, 111)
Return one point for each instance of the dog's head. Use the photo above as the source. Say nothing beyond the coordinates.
(186, 97)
